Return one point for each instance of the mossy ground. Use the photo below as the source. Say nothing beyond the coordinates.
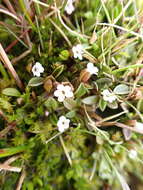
(95, 152)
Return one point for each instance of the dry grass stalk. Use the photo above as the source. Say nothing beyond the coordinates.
(4, 58)
(11, 159)
(9, 168)
(21, 179)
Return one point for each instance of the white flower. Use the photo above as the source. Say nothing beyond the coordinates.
(132, 154)
(108, 96)
(37, 69)
(63, 124)
(139, 126)
(63, 92)
(69, 8)
(92, 69)
(46, 113)
(77, 51)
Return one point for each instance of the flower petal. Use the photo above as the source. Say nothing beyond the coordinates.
(77, 51)
(36, 73)
(61, 98)
(90, 65)
(62, 118)
(57, 93)
(61, 87)
(69, 8)
(61, 129)
(95, 70)
(69, 94)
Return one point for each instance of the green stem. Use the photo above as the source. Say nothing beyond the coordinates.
(22, 4)
(126, 68)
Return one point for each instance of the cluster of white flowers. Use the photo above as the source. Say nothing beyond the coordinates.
(78, 51)
(69, 8)
(92, 69)
(37, 69)
(108, 96)
(63, 124)
(63, 92)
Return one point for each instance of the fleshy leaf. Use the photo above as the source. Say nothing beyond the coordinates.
(11, 92)
(121, 89)
(36, 81)
(90, 100)
(81, 90)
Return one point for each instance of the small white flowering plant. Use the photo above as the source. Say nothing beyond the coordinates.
(78, 51)
(37, 69)
(108, 96)
(92, 69)
(63, 91)
(63, 124)
(71, 94)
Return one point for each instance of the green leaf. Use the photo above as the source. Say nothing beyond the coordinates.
(64, 55)
(71, 114)
(88, 15)
(106, 69)
(11, 151)
(38, 181)
(4, 104)
(58, 71)
(90, 100)
(69, 103)
(103, 83)
(11, 92)
(51, 104)
(121, 89)
(30, 186)
(70, 174)
(53, 119)
(82, 90)
(36, 81)
(102, 104)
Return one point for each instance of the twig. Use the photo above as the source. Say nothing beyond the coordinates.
(21, 179)
(110, 117)
(69, 29)
(10, 14)
(65, 149)
(24, 54)
(93, 171)
(10, 160)
(62, 33)
(121, 28)
(53, 138)
(9, 6)
(9, 66)
(124, 126)
(15, 41)
(10, 168)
